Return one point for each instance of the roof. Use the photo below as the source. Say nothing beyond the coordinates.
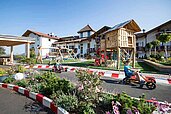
(39, 34)
(103, 29)
(69, 37)
(131, 24)
(9, 40)
(85, 29)
(71, 41)
(158, 27)
(139, 35)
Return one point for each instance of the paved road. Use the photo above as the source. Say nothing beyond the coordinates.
(161, 93)
(14, 103)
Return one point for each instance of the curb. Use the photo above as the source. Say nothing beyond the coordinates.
(36, 96)
(105, 73)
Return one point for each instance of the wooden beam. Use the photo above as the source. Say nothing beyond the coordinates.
(118, 57)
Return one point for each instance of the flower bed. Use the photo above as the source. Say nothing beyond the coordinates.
(86, 97)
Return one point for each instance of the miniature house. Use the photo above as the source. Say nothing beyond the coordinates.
(122, 39)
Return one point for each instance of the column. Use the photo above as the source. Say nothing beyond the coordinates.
(28, 50)
(11, 55)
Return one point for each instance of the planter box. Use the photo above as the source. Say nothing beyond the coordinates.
(158, 67)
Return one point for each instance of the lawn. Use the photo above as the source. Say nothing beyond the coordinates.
(90, 64)
(65, 61)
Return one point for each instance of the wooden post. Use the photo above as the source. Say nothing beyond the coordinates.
(118, 57)
(28, 50)
(133, 57)
(105, 53)
(11, 54)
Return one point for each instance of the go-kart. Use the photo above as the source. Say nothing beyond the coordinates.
(149, 81)
(57, 68)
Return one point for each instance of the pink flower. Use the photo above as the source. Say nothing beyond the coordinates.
(107, 112)
(81, 87)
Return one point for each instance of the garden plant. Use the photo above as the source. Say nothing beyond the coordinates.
(85, 97)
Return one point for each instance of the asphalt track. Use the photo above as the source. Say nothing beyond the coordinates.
(161, 93)
(14, 103)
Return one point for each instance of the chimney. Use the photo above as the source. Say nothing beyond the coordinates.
(143, 30)
(51, 34)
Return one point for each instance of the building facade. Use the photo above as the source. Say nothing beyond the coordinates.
(83, 45)
(41, 40)
(151, 35)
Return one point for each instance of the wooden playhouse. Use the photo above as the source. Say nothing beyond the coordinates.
(121, 40)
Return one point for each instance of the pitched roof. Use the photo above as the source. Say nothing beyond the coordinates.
(85, 29)
(40, 34)
(158, 27)
(132, 24)
(101, 30)
(140, 35)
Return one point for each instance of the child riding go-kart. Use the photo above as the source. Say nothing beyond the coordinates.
(57, 67)
(134, 77)
(144, 80)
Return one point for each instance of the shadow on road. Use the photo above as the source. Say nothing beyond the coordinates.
(111, 81)
(36, 108)
(135, 86)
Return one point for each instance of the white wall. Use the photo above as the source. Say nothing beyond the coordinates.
(37, 42)
(43, 42)
(46, 43)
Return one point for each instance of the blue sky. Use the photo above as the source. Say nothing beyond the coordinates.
(66, 17)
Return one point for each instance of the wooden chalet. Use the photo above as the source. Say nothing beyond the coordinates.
(121, 39)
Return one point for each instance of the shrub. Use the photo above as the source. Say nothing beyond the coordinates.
(153, 56)
(68, 102)
(22, 83)
(87, 92)
(47, 83)
(16, 69)
(2, 71)
(10, 79)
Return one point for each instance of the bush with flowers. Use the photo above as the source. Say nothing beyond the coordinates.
(87, 97)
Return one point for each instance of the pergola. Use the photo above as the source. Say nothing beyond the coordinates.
(11, 41)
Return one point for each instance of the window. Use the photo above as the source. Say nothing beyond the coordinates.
(129, 40)
(136, 44)
(37, 38)
(81, 35)
(88, 45)
(88, 34)
(49, 39)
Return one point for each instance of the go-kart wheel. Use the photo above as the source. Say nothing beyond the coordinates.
(151, 85)
(126, 81)
(152, 80)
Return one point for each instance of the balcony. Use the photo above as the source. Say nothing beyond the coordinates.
(139, 48)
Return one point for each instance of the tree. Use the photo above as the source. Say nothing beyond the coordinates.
(164, 38)
(2, 51)
(155, 43)
(149, 46)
